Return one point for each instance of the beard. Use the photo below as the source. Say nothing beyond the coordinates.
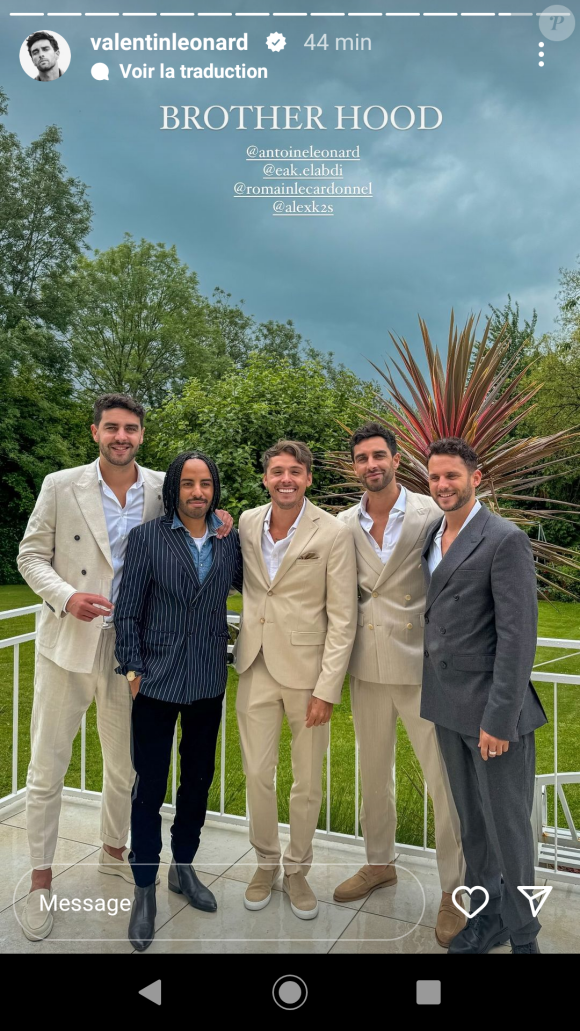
(193, 513)
(378, 485)
(463, 497)
(119, 460)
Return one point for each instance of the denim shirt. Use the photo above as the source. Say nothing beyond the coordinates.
(202, 557)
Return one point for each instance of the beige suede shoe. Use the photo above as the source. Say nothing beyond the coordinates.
(117, 867)
(450, 921)
(303, 901)
(36, 919)
(366, 880)
(259, 890)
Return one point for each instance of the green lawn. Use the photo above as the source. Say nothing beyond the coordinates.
(560, 620)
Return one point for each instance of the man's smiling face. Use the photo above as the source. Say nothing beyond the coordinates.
(286, 480)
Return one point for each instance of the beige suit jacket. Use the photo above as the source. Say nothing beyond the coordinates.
(305, 619)
(66, 548)
(391, 609)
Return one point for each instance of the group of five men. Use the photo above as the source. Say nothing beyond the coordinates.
(433, 617)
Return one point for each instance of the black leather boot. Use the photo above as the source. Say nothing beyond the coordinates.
(183, 880)
(142, 919)
(479, 936)
(521, 950)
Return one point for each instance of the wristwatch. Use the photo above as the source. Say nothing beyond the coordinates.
(131, 675)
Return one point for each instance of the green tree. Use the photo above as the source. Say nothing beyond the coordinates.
(42, 428)
(518, 335)
(237, 417)
(138, 323)
(45, 216)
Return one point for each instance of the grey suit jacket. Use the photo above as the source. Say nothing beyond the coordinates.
(480, 632)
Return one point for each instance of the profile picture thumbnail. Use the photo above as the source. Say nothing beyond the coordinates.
(45, 56)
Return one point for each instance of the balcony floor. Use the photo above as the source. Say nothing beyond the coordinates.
(390, 921)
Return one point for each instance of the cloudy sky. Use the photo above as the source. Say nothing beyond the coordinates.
(486, 205)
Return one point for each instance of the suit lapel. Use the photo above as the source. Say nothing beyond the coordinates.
(304, 532)
(462, 547)
(152, 499)
(426, 546)
(413, 523)
(88, 494)
(255, 535)
(365, 548)
(177, 543)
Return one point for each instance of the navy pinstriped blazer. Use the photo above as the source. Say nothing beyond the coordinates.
(171, 628)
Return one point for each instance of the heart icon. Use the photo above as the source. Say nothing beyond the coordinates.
(476, 887)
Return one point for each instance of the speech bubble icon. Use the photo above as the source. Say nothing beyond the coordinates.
(100, 71)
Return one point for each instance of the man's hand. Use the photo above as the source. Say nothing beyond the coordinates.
(134, 685)
(491, 746)
(318, 712)
(222, 531)
(87, 607)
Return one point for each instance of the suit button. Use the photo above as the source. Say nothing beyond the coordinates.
(409, 626)
(426, 619)
(77, 538)
(262, 620)
(371, 627)
(443, 665)
(442, 630)
(270, 592)
(456, 597)
(426, 654)
(407, 597)
(375, 594)
(84, 572)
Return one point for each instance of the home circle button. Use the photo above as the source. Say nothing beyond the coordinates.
(290, 992)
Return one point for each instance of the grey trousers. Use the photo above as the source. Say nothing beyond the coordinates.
(494, 801)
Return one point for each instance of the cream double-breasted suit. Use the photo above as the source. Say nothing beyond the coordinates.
(385, 681)
(295, 641)
(66, 549)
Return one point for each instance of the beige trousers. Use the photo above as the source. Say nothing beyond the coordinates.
(375, 708)
(261, 704)
(60, 700)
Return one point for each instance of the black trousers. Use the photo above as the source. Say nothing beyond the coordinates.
(494, 802)
(152, 728)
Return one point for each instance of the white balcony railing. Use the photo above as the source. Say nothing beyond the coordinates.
(558, 847)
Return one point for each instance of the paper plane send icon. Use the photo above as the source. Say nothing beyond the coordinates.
(535, 896)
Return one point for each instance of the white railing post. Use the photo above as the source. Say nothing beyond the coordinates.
(555, 776)
(84, 752)
(15, 706)
(356, 810)
(223, 757)
(328, 780)
(174, 768)
(425, 813)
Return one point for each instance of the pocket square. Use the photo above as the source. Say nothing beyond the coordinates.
(309, 554)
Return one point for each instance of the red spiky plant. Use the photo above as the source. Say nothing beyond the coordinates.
(472, 395)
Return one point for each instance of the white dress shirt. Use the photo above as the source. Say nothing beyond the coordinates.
(274, 551)
(392, 529)
(434, 557)
(120, 521)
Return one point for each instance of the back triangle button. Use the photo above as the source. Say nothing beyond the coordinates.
(152, 992)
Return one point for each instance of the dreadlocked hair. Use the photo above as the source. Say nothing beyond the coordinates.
(172, 482)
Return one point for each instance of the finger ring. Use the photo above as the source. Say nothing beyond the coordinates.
(493, 753)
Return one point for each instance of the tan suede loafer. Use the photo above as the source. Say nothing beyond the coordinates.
(37, 919)
(303, 901)
(259, 890)
(450, 921)
(118, 867)
(366, 880)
